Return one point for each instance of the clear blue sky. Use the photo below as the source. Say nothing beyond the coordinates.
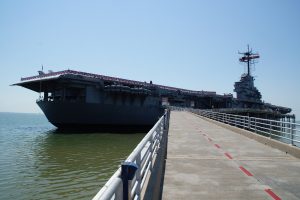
(187, 44)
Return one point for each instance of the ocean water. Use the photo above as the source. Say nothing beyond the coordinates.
(37, 162)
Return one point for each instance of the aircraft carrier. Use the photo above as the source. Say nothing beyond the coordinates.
(73, 99)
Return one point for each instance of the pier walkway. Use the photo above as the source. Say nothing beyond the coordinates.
(206, 161)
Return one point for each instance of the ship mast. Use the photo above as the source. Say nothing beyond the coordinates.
(249, 58)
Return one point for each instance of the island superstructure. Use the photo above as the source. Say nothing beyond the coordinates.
(71, 99)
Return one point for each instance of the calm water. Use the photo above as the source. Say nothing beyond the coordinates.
(38, 163)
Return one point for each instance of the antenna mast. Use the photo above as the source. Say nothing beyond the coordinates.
(249, 58)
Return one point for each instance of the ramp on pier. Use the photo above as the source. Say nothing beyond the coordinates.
(206, 161)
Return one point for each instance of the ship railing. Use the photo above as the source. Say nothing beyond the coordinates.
(284, 130)
(132, 178)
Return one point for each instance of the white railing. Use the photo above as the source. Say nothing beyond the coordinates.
(284, 131)
(131, 178)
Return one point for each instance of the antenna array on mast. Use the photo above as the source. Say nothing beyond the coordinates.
(249, 58)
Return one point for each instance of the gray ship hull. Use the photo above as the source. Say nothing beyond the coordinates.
(67, 115)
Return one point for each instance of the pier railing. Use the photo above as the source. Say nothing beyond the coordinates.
(284, 131)
(131, 179)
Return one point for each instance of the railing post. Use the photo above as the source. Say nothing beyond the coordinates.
(151, 148)
(138, 175)
(165, 119)
(270, 129)
(249, 123)
(289, 126)
(127, 174)
(235, 120)
(165, 135)
(293, 131)
(255, 125)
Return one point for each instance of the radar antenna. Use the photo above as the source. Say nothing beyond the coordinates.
(249, 58)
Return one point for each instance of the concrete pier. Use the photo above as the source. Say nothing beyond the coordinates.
(206, 161)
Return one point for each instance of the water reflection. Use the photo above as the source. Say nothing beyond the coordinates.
(40, 164)
(75, 166)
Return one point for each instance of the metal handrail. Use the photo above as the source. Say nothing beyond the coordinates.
(283, 131)
(143, 156)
